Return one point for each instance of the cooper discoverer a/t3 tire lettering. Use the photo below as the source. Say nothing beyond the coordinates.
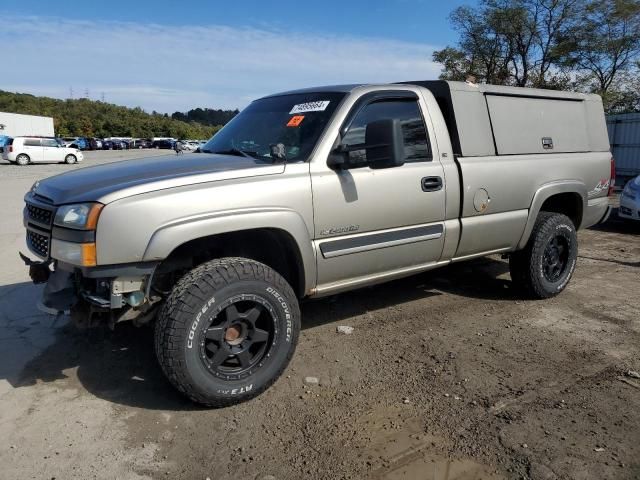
(227, 331)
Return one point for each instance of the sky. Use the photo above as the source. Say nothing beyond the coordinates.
(173, 56)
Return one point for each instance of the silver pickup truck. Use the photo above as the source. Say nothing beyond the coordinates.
(312, 192)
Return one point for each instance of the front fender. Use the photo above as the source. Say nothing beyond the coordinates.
(171, 235)
(545, 192)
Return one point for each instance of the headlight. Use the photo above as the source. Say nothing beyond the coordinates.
(82, 216)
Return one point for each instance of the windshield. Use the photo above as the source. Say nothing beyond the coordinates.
(295, 121)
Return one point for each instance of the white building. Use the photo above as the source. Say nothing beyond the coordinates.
(16, 124)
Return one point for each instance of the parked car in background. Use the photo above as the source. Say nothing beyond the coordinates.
(3, 141)
(26, 150)
(168, 144)
(140, 143)
(189, 145)
(630, 200)
(94, 144)
(81, 143)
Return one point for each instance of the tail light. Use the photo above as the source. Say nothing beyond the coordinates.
(612, 178)
(10, 148)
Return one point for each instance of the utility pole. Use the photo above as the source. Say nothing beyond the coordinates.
(102, 97)
(71, 93)
(86, 93)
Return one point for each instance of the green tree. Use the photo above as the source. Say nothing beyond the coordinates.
(83, 117)
(581, 45)
(510, 42)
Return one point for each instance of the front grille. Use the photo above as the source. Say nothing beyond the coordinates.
(39, 215)
(38, 243)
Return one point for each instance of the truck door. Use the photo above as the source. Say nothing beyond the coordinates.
(377, 222)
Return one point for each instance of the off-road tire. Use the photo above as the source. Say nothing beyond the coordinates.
(70, 159)
(527, 265)
(23, 159)
(180, 331)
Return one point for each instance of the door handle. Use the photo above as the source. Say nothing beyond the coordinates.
(431, 184)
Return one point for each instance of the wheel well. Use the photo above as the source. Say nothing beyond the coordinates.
(273, 247)
(569, 204)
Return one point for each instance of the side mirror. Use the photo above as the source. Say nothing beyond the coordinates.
(383, 144)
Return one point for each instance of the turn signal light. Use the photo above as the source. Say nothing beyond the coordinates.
(88, 257)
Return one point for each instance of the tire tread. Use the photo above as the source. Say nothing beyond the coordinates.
(521, 264)
(181, 305)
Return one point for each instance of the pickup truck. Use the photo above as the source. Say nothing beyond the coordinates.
(312, 192)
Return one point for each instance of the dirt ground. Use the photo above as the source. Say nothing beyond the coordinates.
(448, 375)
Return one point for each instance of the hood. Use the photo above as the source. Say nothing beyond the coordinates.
(106, 183)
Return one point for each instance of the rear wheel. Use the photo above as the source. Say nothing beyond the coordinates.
(23, 159)
(70, 159)
(545, 266)
(227, 331)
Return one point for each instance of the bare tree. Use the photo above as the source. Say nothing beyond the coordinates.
(607, 44)
(518, 42)
(482, 52)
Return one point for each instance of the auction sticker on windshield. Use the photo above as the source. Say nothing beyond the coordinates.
(295, 121)
(319, 106)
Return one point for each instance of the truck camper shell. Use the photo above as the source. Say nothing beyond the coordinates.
(487, 120)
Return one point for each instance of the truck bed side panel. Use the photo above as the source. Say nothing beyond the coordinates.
(511, 182)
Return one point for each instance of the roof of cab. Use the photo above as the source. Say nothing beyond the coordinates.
(454, 86)
(327, 88)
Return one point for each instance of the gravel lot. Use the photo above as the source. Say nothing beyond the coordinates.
(447, 375)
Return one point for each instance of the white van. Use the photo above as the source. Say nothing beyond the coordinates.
(26, 150)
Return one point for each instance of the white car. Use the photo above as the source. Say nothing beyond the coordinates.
(630, 200)
(26, 150)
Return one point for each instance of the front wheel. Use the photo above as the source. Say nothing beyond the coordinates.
(227, 331)
(69, 159)
(545, 266)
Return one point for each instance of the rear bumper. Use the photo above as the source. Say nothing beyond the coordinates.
(607, 214)
(598, 211)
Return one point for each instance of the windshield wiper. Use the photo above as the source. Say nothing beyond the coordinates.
(238, 152)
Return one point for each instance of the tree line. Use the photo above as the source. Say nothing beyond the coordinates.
(580, 45)
(206, 116)
(91, 118)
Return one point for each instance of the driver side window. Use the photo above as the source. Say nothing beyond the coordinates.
(416, 142)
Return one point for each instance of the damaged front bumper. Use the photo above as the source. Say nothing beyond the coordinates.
(96, 295)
